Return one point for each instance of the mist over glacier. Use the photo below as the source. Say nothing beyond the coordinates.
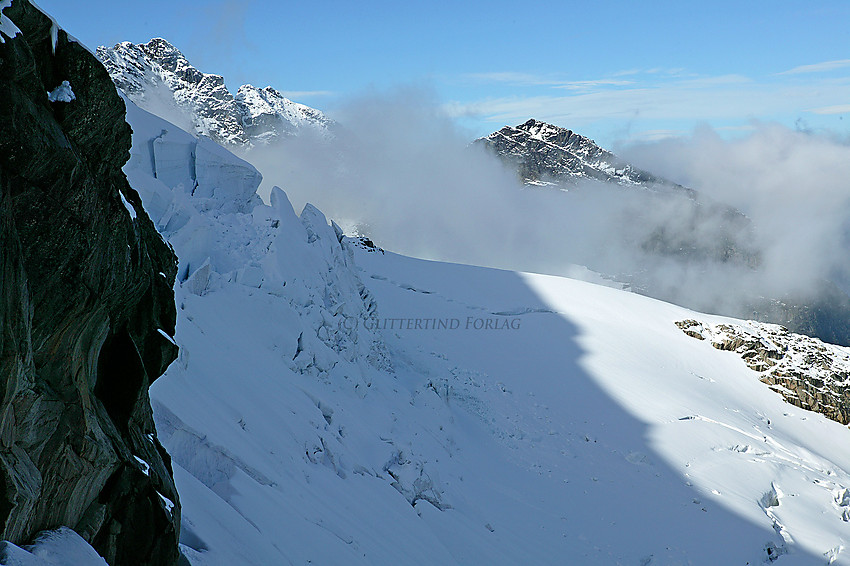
(792, 184)
(402, 172)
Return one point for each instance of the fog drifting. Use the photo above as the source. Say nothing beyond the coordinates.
(402, 173)
(795, 186)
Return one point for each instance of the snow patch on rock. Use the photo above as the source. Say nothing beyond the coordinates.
(7, 26)
(62, 93)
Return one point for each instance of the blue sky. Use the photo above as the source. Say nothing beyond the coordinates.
(616, 71)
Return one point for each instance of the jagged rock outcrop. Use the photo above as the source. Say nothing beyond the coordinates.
(86, 309)
(807, 373)
(158, 78)
(546, 154)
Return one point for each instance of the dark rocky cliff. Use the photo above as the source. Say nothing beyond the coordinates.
(86, 308)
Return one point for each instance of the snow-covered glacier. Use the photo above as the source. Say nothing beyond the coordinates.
(334, 403)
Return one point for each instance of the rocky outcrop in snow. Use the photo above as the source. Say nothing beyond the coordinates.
(86, 309)
(157, 77)
(807, 373)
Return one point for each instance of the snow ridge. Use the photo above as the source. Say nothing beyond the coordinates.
(158, 78)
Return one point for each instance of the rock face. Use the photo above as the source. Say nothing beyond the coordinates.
(807, 373)
(86, 309)
(546, 154)
(158, 78)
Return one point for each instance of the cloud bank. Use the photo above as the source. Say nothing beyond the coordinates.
(795, 186)
(403, 173)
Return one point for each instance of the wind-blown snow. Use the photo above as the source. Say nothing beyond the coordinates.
(587, 430)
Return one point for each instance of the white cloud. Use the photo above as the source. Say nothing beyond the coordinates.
(584, 85)
(791, 184)
(837, 109)
(627, 72)
(404, 174)
(725, 97)
(530, 80)
(515, 78)
(818, 67)
(655, 135)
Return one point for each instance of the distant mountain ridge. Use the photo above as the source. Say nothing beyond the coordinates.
(546, 154)
(159, 78)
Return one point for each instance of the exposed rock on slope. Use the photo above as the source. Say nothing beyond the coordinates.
(805, 371)
(86, 309)
(158, 78)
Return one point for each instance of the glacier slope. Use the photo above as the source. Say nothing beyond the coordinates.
(304, 430)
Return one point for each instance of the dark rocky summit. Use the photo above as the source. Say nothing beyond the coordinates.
(86, 309)
(546, 154)
(694, 228)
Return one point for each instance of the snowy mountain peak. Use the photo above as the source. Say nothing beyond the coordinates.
(268, 115)
(163, 52)
(159, 78)
(548, 132)
(547, 154)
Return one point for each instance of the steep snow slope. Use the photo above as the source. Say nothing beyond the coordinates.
(631, 427)
(159, 78)
(334, 404)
